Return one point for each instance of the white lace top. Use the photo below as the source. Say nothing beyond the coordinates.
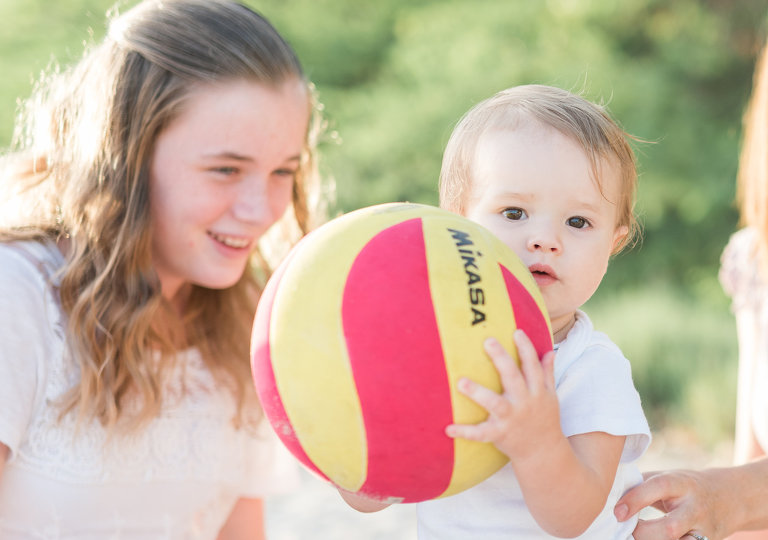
(743, 282)
(177, 479)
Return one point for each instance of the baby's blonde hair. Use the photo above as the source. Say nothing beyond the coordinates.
(588, 124)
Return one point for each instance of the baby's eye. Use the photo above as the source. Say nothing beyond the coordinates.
(513, 214)
(578, 222)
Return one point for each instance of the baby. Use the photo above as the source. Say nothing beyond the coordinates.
(554, 178)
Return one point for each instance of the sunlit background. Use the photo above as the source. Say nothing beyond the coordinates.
(395, 75)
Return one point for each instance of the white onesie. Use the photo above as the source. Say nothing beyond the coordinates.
(596, 393)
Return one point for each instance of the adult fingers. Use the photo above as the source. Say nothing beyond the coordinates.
(659, 487)
(669, 527)
(649, 474)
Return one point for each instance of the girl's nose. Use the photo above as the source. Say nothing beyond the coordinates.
(252, 202)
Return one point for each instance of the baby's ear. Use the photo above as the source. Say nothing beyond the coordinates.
(619, 235)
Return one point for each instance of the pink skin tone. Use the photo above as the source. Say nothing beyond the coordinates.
(221, 175)
(715, 501)
(534, 189)
(711, 502)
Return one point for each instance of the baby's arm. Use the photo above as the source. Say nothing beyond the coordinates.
(361, 503)
(565, 481)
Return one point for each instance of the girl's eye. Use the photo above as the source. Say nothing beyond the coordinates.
(286, 173)
(226, 171)
(513, 214)
(577, 222)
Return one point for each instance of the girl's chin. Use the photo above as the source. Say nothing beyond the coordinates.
(219, 284)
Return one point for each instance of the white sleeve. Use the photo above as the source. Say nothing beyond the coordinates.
(738, 274)
(272, 469)
(596, 393)
(25, 339)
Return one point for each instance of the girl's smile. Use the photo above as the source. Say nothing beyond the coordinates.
(221, 175)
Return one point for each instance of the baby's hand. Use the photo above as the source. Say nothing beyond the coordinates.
(526, 417)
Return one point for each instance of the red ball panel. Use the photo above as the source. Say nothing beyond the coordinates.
(264, 375)
(528, 316)
(406, 398)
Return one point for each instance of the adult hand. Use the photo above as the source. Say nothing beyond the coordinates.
(692, 501)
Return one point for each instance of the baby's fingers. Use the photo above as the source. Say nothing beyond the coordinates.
(478, 394)
(548, 368)
(486, 431)
(529, 360)
(477, 432)
(509, 373)
(495, 404)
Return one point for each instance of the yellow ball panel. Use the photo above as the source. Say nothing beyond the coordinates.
(312, 365)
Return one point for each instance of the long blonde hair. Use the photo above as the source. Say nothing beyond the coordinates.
(752, 183)
(588, 124)
(79, 170)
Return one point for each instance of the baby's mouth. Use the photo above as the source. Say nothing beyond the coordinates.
(542, 274)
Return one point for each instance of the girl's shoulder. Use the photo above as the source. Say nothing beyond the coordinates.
(29, 278)
(30, 259)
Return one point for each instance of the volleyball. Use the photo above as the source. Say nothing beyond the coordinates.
(362, 333)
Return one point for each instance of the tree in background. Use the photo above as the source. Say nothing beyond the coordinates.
(396, 75)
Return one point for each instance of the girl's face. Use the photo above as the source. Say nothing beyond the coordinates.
(222, 173)
(533, 187)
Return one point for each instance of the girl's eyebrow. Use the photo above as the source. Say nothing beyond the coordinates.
(228, 155)
(240, 157)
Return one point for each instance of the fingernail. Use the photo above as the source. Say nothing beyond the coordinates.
(621, 512)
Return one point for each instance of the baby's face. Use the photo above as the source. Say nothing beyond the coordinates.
(533, 188)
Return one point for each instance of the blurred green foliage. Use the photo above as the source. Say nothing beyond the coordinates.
(682, 354)
(396, 75)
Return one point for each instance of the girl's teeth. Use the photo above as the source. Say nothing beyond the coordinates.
(231, 242)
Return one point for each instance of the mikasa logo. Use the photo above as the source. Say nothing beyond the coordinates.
(469, 256)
